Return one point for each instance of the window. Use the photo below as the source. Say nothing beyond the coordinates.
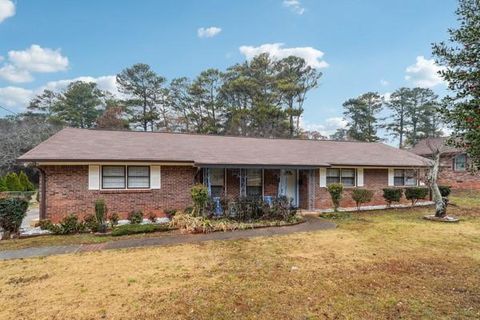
(343, 176)
(113, 177)
(460, 162)
(405, 177)
(217, 181)
(138, 177)
(254, 182)
(121, 177)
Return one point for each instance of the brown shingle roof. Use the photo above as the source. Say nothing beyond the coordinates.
(423, 147)
(73, 145)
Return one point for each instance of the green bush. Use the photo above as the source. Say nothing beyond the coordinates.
(135, 217)
(12, 212)
(199, 194)
(170, 212)
(91, 223)
(70, 224)
(415, 193)
(13, 182)
(392, 195)
(113, 219)
(336, 191)
(361, 196)
(138, 228)
(445, 190)
(3, 184)
(100, 210)
(46, 224)
(26, 184)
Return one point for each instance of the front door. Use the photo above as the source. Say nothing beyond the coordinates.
(288, 185)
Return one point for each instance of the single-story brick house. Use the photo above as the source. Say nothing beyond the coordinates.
(154, 171)
(454, 163)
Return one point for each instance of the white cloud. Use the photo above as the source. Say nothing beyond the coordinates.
(384, 83)
(294, 5)
(15, 97)
(21, 64)
(18, 98)
(13, 74)
(209, 32)
(7, 9)
(327, 128)
(424, 73)
(312, 56)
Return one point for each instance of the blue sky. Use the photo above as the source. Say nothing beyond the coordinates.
(368, 45)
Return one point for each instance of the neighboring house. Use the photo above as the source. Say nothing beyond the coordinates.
(454, 163)
(154, 171)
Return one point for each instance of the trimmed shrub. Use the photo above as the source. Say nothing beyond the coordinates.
(70, 224)
(415, 193)
(3, 184)
(100, 214)
(12, 212)
(445, 190)
(135, 217)
(91, 223)
(113, 219)
(336, 191)
(392, 195)
(361, 196)
(13, 182)
(199, 194)
(26, 184)
(138, 228)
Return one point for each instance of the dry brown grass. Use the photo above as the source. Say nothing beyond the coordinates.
(376, 265)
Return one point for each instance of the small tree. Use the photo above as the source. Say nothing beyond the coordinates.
(199, 195)
(336, 191)
(27, 185)
(13, 182)
(100, 214)
(415, 193)
(12, 212)
(361, 196)
(3, 184)
(392, 195)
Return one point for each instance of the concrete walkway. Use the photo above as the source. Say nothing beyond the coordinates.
(311, 224)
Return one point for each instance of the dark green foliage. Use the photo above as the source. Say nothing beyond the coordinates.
(138, 228)
(113, 219)
(336, 191)
(199, 194)
(100, 211)
(362, 115)
(415, 193)
(90, 222)
(445, 191)
(135, 217)
(46, 224)
(25, 182)
(460, 56)
(12, 212)
(3, 184)
(70, 224)
(361, 196)
(392, 195)
(13, 182)
(170, 212)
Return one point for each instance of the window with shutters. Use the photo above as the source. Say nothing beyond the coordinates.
(125, 177)
(405, 177)
(345, 176)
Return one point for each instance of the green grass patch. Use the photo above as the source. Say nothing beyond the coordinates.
(128, 229)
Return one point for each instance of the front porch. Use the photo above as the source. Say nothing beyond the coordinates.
(297, 184)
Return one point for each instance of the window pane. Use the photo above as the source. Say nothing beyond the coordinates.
(410, 178)
(348, 173)
(217, 191)
(138, 171)
(217, 177)
(333, 173)
(331, 180)
(399, 173)
(398, 181)
(113, 182)
(113, 171)
(254, 177)
(349, 182)
(460, 162)
(138, 182)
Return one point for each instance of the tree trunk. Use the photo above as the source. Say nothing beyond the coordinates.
(440, 203)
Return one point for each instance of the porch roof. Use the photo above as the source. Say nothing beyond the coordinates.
(84, 145)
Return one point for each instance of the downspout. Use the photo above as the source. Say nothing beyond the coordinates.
(43, 194)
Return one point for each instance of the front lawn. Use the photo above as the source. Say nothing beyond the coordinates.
(376, 265)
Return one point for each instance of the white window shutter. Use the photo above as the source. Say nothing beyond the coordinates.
(323, 177)
(391, 173)
(360, 177)
(93, 177)
(155, 177)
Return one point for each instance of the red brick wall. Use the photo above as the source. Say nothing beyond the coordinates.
(67, 192)
(456, 179)
(374, 179)
(271, 179)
